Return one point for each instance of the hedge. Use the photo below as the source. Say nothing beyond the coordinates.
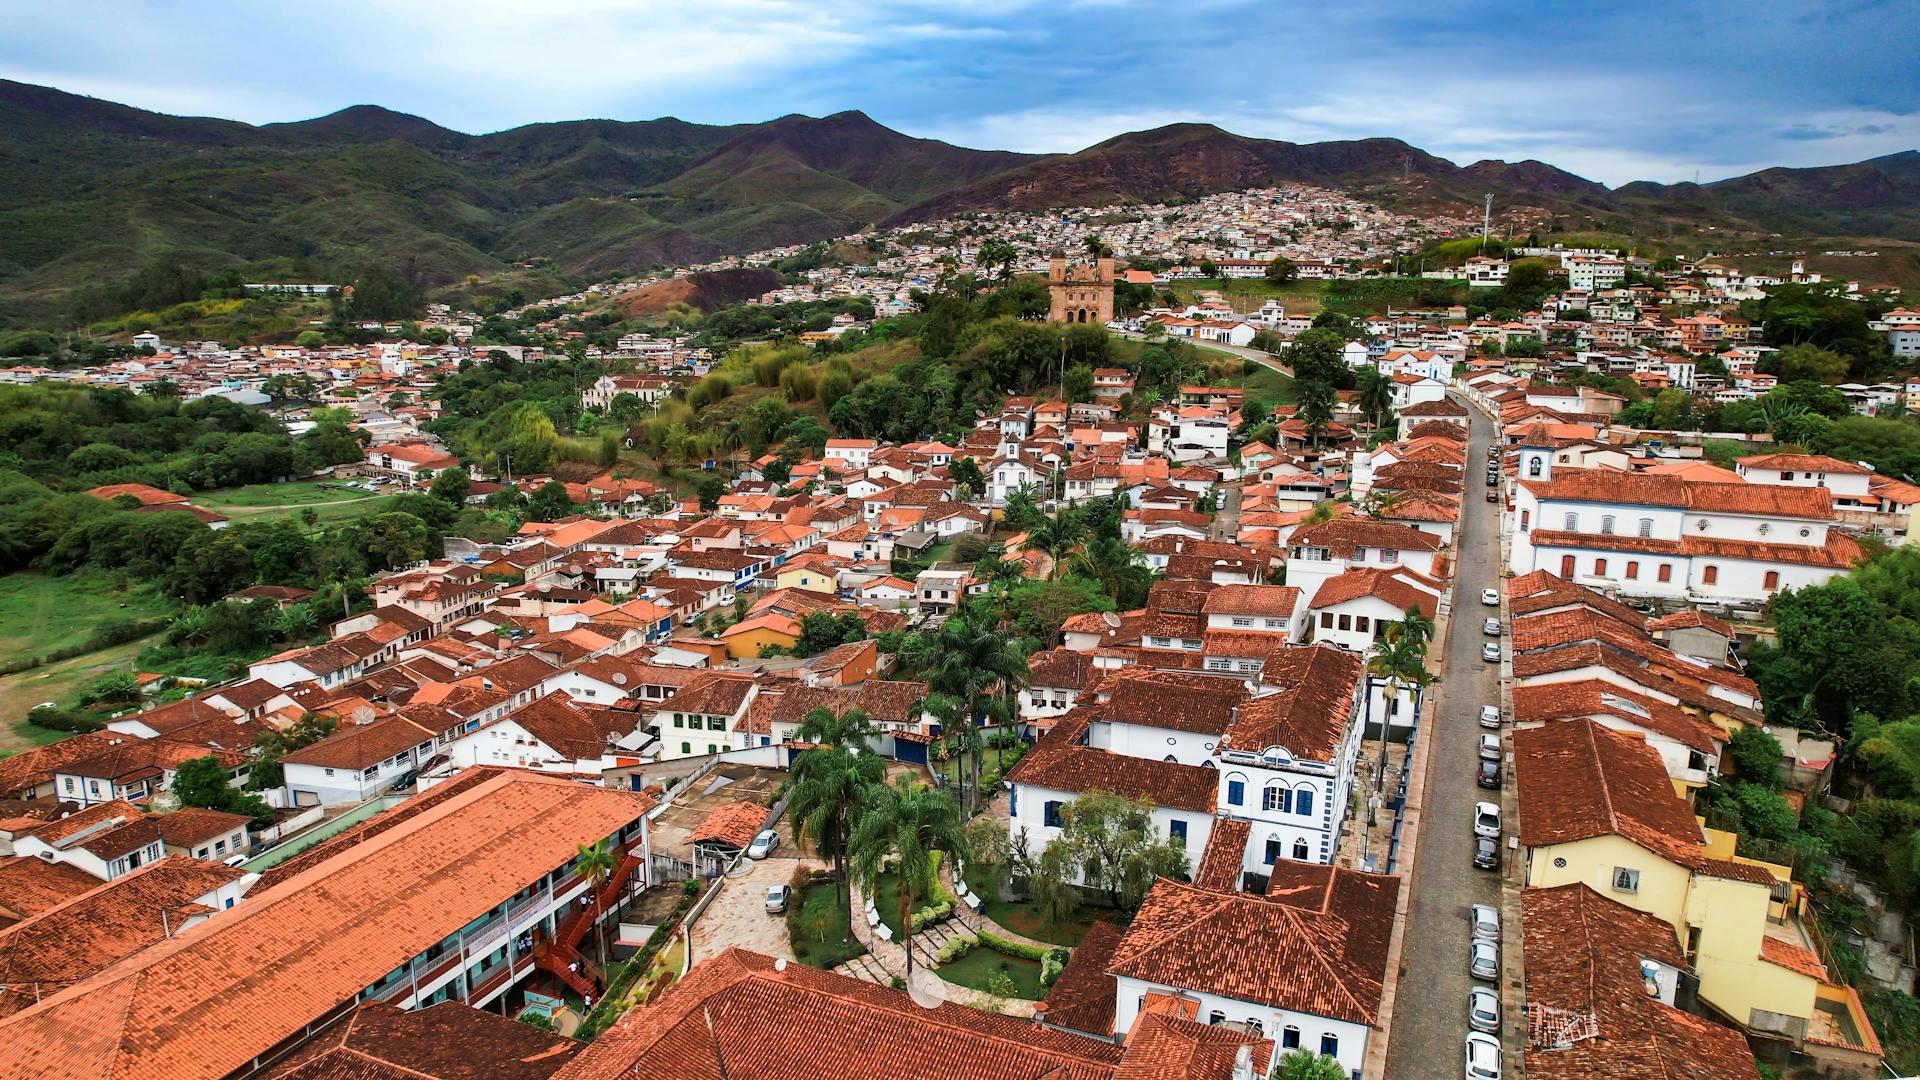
(1014, 948)
(956, 947)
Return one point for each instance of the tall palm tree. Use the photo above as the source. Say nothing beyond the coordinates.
(830, 788)
(1120, 569)
(1402, 662)
(596, 862)
(909, 820)
(1373, 392)
(1415, 627)
(1056, 535)
(963, 737)
(1316, 410)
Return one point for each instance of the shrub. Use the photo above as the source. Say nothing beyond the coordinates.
(1001, 984)
(1016, 948)
(1052, 966)
(65, 720)
(956, 947)
(927, 916)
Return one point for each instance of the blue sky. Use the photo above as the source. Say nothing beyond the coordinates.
(1614, 91)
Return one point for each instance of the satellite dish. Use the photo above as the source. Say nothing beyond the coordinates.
(926, 989)
(1110, 619)
(619, 678)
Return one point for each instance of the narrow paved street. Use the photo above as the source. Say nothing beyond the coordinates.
(1429, 1021)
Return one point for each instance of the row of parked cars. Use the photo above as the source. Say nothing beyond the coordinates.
(1483, 1002)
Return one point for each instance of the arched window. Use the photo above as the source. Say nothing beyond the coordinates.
(1606, 524)
(1329, 1046)
(1303, 801)
(1666, 572)
(1217, 1016)
(1236, 789)
(1773, 580)
(1289, 1038)
(1300, 851)
(1709, 575)
(1271, 854)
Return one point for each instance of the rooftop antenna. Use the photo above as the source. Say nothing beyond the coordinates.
(1486, 220)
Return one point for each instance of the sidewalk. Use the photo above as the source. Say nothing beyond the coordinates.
(891, 957)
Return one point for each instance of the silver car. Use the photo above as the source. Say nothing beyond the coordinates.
(763, 845)
(1490, 652)
(1489, 747)
(1483, 1010)
(1483, 959)
(1490, 716)
(1491, 627)
(777, 897)
(1486, 921)
(1483, 1057)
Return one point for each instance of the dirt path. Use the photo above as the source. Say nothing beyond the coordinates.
(57, 682)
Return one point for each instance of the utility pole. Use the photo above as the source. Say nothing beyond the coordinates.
(1486, 220)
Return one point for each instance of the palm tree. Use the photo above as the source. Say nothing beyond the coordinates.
(1415, 627)
(1316, 409)
(849, 729)
(963, 737)
(1401, 660)
(972, 661)
(1373, 392)
(1094, 246)
(1056, 535)
(1121, 570)
(1307, 1065)
(596, 863)
(830, 789)
(909, 820)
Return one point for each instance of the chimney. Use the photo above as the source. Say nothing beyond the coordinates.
(1243, 1063)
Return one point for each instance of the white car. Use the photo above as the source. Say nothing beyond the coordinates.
(1483, 1057)
(1483, 1010)
(1490, 627)
(1486, 822)
(763, 845)
(1486, 919)
(1490, 597)
(777, 897)
(1490, 652)
(1490, 716)
(1489, 748)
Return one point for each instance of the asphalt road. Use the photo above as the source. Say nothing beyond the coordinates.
(1429, 1019)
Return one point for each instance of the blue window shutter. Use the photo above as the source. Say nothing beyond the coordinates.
(1286, 800)
(1177, 828)
(1013, 800)
(1303, 801)
(1273, 851)
(1236, 792)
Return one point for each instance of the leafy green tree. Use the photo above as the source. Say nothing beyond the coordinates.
(395, 540)
(210, 566)
(1317, 356)
(450, 486)
(1281, 270)
(1373, 393)
(1077, 384)
(905, 825)
(711, 488)
(380, 294)
(1756, 757)
(1316, 408)
(1804, 363)
(1109, 843)
(550, 503)
(203, 782)
(1057, 535)
(270, 746)
(965, 472)
(998, 256)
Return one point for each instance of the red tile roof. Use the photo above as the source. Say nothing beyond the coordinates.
(1059, 763)
(448, 1041)
(1577, 779)
(1643, 489)
(734, 824)
(1309, 716)
(205, 1003)
(1259, 950)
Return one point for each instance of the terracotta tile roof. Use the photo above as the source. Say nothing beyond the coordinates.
(1341, 535)
(1595, 697)
(1541, 590)
(1251, 600)
(710, 693)
(1309, 715)
(1641, 489)
(1803, 463)
(361, 745)
(463, 781)
(1202, 704)
(205, 1003)
(190, 825)
(1577, 779)
(1058, 762)
(1220, 865)
(734, 824)
(1396, 585)
(1061, 668)
(1252, 949)
(448, 1041)
(1365, 901)
(30, 886)
(1793, 957)
(1583, 953)
(92, 930)
(1168, 1043)
(1083, 997)
(1692, 619)
(574, 732)
(734, 1015)
(31, 768)
(883, 700)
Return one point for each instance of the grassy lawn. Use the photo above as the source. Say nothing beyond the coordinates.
(60, 683)
(981, 963)
(818, 928)
(40, 613)
(1023, 916)
(1270, 385)
(267, 502)
(1302, 296)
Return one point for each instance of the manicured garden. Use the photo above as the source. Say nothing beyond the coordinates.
(978, 968)
(818, 927)
(1024, 917)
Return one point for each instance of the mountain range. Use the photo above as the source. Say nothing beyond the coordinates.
(91, 190)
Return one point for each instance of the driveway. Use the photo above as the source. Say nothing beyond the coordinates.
(1429, 1019)
(738, 916)
(1226, 523)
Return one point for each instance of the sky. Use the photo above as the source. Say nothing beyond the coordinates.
(1614, 91)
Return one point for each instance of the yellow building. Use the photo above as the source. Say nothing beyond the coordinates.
(811, 577)
(1596, 808)
(745, 638)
